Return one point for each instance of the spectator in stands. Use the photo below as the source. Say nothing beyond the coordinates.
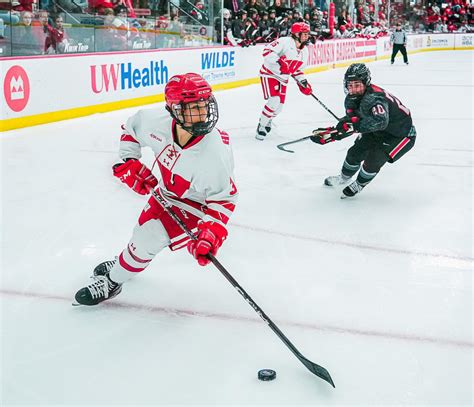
(199, 12)
(316, 20)
(226, 19)
(253, 15)
(108, 37)
(279, 8)
(238, 25)
(296, 15)
(40, 28)
(234, 5)
(307, 16)
(264, 27)
(297, 6)
(254, 4)
(120, 21)
(272, 17)
(283, 25)
(343, 17)
(56, 38)
(24, 41)
(175, 28)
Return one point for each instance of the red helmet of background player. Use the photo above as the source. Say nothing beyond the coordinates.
(180, 91)
(300, 28)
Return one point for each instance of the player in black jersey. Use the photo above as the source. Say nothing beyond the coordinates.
(385, 126)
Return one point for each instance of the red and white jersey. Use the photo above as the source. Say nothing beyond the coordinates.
(197, 178)
(284, 46)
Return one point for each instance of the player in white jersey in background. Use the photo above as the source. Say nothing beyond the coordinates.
(283, 57)
(196, 164)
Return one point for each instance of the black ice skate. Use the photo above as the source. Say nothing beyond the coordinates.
(104, 268)
(268, 127)
(336, 180)
(103, 288)
(261, 133)
(352, 190)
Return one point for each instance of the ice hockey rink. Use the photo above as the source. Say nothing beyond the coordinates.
(377, 289)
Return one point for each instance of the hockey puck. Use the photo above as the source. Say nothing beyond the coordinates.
(266, 375)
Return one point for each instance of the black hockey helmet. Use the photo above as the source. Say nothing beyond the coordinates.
(253, 11)
(357, 72)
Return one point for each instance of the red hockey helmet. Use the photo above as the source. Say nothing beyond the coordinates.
(300, 27)
(183, 95)
(297, 30)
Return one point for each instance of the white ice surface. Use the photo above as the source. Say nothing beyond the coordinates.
(377, 289)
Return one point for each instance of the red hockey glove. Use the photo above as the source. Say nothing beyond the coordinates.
(305, 87)
(210, 237)
(285, 67)
(136, 175)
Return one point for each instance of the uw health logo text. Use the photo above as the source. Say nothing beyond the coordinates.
(124, 76)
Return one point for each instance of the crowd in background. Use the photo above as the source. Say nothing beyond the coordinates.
(256, 22)
(56, 26)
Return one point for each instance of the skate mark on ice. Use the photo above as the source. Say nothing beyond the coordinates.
(441, 256)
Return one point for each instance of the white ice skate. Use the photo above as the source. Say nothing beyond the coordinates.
(340, 179)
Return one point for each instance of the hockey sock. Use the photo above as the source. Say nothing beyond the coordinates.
(348, 170)
(364, 177)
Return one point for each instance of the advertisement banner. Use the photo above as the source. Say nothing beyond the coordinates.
(464, 41)
(81, 84)
(67, 81)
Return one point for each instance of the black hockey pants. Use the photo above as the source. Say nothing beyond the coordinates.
(375, 149)
(402, 49)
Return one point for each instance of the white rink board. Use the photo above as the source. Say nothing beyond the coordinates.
(36, 86)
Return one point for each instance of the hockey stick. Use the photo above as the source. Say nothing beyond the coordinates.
(321, 103)
(324, 133)
(312, 367)
(282, 145)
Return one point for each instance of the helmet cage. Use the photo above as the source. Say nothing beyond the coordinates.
(185, 113)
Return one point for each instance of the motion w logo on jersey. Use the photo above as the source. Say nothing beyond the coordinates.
(294, 65)
(173, 182)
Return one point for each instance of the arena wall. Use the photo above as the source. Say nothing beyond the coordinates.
(45, 89)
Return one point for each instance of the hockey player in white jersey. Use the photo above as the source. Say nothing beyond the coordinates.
(196, 165)
(283, 57)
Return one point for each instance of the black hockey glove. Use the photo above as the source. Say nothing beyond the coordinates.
(348, 125)
(324, 135)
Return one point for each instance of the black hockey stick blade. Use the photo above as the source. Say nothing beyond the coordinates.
(282, 145)
(282, 148)
(319, 371)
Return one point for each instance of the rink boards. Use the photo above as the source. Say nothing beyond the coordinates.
(43, 89)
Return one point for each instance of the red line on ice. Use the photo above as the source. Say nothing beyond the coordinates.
(229, 317)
